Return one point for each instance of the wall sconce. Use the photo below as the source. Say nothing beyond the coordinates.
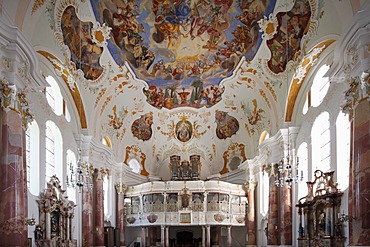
(30, 222)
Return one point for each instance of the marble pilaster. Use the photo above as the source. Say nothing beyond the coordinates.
(98, 179)
(251, 213)
(87, 217)
(13, 185)
(359, 195)
(286, 215)
(120, 213)
(273, 214)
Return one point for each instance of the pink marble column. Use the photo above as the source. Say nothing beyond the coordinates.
(359, 196)
(273, 214)
(99, 207)
(251, 214)
(286, 215)
(13, 182)
(120, 213)
(87, 217)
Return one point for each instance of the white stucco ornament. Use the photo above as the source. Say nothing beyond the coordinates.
(100, 34)
(268, 26)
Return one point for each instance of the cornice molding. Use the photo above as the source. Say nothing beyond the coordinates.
(347, 57)
(22, 57)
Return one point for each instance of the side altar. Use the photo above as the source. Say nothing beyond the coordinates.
(319, 211)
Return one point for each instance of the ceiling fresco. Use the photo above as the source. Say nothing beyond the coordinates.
(182, 48)
(180, 77)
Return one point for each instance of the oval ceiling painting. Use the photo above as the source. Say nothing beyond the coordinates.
(182, 46)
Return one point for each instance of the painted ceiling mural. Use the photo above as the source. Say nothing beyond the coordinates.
(77, 36)
(182, 48)
(181, 76)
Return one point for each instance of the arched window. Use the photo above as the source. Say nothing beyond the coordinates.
(53, 149)
(264, 205)
(320, 136)
(107, 199)
(319, 86)
(343, 129)
(71, 165)
(303, 166)
(134, 165)
(318, 90)
(53, 96)
(33, 157)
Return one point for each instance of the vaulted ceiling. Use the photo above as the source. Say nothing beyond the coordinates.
(164, 77)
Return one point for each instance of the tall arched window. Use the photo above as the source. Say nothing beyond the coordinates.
(264, 205)
(318, 90)
(33, 157)
(343, 150)
(303, 166)
(53, 96)
(320, 136)
(53, 151)
(107, 198)
(319, 86)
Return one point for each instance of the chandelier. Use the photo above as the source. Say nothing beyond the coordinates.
(81, 176)
(287, 170)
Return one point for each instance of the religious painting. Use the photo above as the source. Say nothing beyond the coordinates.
(177, 44)
(77, 36)
(142, 128)
(197, 95)
(185, 218)
(184, 130)
(287, 41)
(226, 125)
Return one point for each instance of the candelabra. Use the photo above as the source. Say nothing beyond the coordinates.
(30, 222)
(79, 177)
(287, 172)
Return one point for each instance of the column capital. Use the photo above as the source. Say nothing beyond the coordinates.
(250, 185)
(120, 188)
(99, 174)
(359, 90)
(12, 99)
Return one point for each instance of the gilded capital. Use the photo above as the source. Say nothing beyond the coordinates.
(12, 100)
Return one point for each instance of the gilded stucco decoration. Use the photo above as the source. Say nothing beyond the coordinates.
(233, 150)
(70, 80)
(184, 129)
(116, 121)
(301, 72)
(135, 152)
(100, 34)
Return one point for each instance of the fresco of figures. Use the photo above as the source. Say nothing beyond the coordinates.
(77, 36)
(287, 41)
(226, 125)
(172, 44)
(196, 96)
(142, 128)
